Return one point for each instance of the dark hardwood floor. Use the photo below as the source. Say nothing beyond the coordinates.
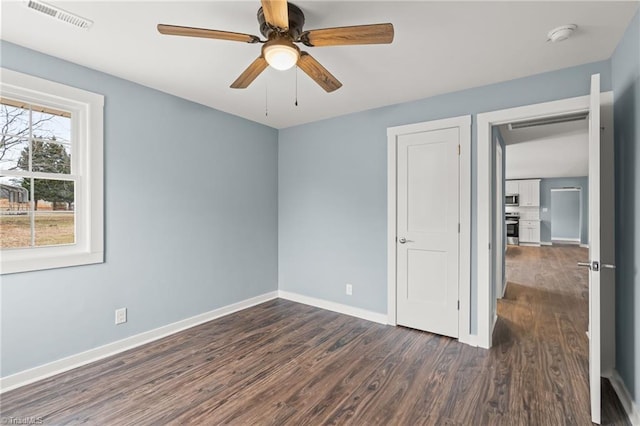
(286, 363)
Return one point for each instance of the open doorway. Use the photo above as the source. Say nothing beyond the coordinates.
(600, 188)
(544, 166)
(540, 175)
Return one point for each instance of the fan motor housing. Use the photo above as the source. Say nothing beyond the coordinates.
(296, 22)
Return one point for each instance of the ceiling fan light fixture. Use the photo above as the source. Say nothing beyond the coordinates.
(281, 54)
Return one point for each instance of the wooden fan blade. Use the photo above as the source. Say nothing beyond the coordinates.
(250, 74)
(205, 33)
(276, 13)
(318, 73)
(344, 36)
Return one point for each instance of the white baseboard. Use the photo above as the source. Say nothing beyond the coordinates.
(65, 364)
(469, 339)
(632, 409)
(565, 240)
(473, 340)
(584, 245)
(335, 307)
(546, 243)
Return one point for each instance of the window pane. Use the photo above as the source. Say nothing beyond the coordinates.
(14, 153)
(14, 135)
(15, 230)
(15, 222)
(51, 127)
(54, 212)
(14, 118)
(51, 157)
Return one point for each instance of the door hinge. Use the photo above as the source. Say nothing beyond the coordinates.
(458, 149)
(458, 305)
(458, 227)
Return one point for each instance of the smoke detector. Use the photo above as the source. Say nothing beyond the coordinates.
(561, 33)
(59, 14)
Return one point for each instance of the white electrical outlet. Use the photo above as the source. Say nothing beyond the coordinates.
(349, 289)
(121, 315)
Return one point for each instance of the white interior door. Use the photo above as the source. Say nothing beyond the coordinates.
(601, 242)
(428, 231)
(594, 249)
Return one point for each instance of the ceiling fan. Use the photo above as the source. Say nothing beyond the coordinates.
(281, 24)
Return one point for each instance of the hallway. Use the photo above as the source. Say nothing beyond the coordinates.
(542, 324)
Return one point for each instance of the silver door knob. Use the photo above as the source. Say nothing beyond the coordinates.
(596, 266)
(402, 240)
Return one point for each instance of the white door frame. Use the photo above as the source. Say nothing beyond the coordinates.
(463, 123)
(485, 205)
(500, 225)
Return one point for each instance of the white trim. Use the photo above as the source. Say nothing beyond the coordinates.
(495, 321)
(463, 123)
(87, 122)
(392, 176)
(565, 189)
(584, 245)
(631, 408)
(499, 213)
(464, 286)
(470, 339)
(546, 243)
(333, 306)
(574, 241)
(484, 229)
(77, 360)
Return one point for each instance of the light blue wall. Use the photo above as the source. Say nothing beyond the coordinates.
(190, 201)
(625, 65)
(332, 193)
(545, 202)
(565, 215)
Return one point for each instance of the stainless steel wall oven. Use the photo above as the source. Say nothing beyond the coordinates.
(512, 221)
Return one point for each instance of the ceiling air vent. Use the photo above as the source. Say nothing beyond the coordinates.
(59, 14)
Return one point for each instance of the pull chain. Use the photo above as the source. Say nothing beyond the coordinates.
(296, 86)
(266, 99)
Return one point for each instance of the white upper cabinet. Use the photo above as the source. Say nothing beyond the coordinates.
(529, 192)
(511, 187)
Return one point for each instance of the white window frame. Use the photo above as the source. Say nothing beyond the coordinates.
(87, 117)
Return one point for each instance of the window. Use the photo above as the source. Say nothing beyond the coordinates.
(51, 174)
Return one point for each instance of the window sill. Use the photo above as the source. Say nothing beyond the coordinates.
(13, 266)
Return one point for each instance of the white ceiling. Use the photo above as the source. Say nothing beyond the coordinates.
(554, 150)
(439, 47)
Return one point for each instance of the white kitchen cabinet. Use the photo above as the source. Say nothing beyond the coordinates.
(529, 231)
(529, 192)
(511, 187)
